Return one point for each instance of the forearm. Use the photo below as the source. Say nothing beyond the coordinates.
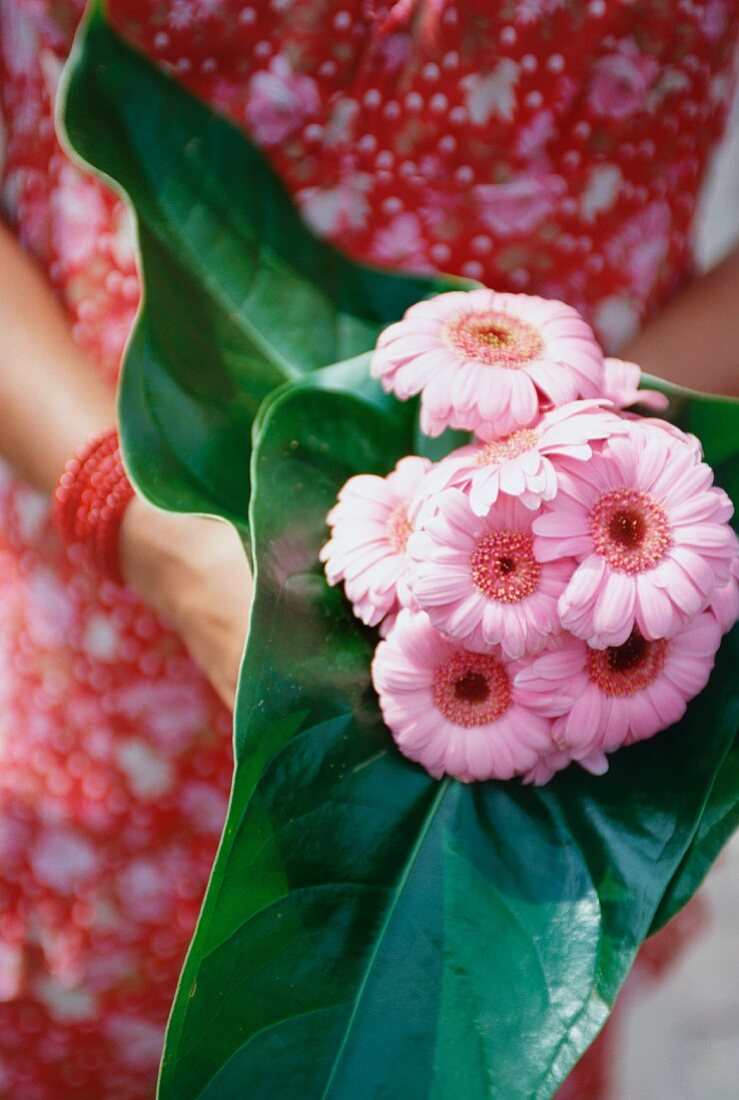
(694, 342)
(51, 398)
(189, 569)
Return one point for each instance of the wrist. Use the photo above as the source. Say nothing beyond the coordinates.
(150, 554)
(162, 554)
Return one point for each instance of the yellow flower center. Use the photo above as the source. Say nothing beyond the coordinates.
(495, 338)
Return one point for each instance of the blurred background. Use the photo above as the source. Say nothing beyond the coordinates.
(680, 1041)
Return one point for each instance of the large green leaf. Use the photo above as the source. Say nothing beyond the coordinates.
(370, 932)
(240, 296)
(367, 931)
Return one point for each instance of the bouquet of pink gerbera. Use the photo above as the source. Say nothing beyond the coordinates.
(558, 587)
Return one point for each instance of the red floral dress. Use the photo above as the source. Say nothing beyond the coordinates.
(538, 145)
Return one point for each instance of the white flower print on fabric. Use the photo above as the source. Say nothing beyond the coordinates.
(492, 94)
(331, 211)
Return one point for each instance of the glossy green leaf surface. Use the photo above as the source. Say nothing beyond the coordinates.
(370, 932)
(719, 821)
(239, 295)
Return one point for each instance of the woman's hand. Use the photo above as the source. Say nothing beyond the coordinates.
(193, 572)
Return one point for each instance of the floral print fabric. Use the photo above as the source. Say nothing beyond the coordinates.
(540, 145)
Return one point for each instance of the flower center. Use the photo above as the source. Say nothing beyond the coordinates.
(503, 566)
(496, 338)
(627, 527)
(629, 530)
(472, 689)
(398, 528)
(628, 668)
(508, 446)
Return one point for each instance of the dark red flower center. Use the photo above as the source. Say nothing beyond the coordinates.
(503, 566)
(630, 530)
(472, 689)
(628, 668)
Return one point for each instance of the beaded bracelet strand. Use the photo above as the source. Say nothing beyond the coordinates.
(90, 501)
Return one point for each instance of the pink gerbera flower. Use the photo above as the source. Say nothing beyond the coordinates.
(369, 533)
(643, 427)
(523, 463)
(453, 711)
(488, 362)
(725, 600)
(594, 762)
(621, 386)
(478, 580)
(601, 699)
(649, 531)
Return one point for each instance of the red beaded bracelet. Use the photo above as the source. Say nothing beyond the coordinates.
(90, 501)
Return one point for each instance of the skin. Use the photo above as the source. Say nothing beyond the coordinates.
(694, 341)
(192, 570)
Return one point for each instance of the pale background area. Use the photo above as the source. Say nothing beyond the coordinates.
(681, 1038)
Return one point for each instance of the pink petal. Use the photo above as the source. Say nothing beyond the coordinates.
(595, 762)
(583, 721)
(614, 611)
(707, 536)
(553, 381)
(585, 582)
(655, 611)
(700, 572)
